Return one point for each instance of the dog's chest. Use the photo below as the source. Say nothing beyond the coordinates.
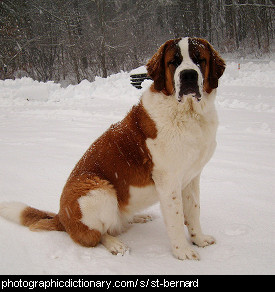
(183, 145)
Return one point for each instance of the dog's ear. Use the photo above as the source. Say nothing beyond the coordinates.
(216, 68)
(156, 68)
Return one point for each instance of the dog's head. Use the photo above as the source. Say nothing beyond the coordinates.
(186, 67)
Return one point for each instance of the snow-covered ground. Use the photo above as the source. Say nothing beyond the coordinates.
(45, 129)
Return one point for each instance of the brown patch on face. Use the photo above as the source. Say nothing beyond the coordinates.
(161, 68)
(210, 63)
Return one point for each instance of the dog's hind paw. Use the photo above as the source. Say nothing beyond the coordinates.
(114, 245)
(141, 219)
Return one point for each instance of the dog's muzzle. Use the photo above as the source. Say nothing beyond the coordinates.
(189, 84)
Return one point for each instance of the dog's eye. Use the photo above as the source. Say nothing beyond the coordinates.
(175, 62)
(199, 61)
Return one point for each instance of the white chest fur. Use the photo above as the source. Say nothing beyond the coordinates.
(186, 134)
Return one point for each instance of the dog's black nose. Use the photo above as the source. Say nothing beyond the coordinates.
(189, 75)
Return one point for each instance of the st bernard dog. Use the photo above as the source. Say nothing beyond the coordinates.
(156, 153)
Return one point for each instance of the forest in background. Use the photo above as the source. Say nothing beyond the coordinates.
(72, 40)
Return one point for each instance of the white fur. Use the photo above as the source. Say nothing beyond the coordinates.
(191, 209)
(12, 211)
(185, 142)
(141, 198)
(99, 209)
(186, 64)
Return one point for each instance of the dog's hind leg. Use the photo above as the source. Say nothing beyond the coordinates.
(89, 210)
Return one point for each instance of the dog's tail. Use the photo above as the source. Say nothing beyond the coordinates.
(34, 219)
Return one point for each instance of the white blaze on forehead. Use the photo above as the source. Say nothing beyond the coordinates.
(186, 64)
(184, 49)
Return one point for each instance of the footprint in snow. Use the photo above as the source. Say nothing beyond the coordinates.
(237, 229)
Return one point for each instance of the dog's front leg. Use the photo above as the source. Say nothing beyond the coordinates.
(191, 209)
(172, 210)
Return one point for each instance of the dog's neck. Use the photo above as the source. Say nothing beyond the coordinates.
(188, 107)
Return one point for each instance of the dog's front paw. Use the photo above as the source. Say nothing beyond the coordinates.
(185, 253)
(202, 240)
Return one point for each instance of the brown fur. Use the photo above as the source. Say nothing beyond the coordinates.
(120, 158)
(116, 160)
(31, 217)
(70, 213)
(212, 65)
(160, 68)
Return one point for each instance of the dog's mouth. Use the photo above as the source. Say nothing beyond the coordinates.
(189, 91)
(188, 85)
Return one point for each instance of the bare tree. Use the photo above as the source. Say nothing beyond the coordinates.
(74, 40)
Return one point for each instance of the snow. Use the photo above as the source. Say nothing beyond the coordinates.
(45, 129)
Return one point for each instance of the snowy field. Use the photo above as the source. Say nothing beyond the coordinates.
(45, 129)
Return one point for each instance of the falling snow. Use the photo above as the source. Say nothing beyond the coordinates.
(45, 129)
